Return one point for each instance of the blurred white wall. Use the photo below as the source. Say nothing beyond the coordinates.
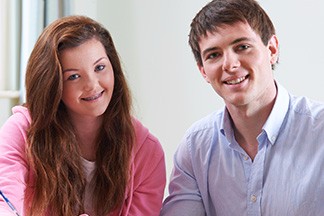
(169, 93)
(299, 25)
(9, 57)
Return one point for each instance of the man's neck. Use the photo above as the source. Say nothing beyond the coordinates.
(247, 124)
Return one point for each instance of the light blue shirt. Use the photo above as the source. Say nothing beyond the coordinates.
(213, 175)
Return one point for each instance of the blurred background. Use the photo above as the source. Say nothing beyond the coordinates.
(151, 37)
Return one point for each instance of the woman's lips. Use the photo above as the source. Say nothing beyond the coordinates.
(94, 97)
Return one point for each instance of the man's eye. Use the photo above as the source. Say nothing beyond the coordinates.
(100, 67)
(243, 47)
(73, 77)
(213, 55)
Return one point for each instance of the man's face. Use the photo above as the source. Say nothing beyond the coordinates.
(238, 65)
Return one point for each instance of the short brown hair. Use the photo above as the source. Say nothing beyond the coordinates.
(220, 12)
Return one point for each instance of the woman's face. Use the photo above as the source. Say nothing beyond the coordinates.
(88, 79)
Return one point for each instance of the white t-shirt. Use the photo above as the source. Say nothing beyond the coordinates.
(89, 168)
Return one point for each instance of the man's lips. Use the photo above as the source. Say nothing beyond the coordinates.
(236, 81)
(94, 97)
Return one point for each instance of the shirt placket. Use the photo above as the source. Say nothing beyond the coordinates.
(255, 183)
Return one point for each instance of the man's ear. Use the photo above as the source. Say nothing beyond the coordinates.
(273, 46)
(202, 72)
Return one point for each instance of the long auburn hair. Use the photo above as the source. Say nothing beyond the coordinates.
(52, 149)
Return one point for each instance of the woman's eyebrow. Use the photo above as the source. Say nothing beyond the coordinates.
(104, 57)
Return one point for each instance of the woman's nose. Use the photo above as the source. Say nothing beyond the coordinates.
(90, 82)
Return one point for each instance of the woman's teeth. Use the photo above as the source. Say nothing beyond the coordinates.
(93, 97)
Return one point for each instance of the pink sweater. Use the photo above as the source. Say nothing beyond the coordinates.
(144, 198)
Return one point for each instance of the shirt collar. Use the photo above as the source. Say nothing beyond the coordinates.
(275, 120)
(226, 126)
(273, 123)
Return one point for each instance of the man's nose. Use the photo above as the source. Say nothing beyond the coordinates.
(230, 61)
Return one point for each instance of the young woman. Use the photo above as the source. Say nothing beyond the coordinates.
(74, 147)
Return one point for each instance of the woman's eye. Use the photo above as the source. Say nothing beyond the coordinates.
(100, 67)
(73, 77)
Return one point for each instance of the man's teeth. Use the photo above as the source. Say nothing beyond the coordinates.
(236, 81)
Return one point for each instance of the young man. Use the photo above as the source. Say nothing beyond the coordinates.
(263, 154)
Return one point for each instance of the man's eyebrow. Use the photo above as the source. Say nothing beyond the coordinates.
(209, 50)
(238, 40)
